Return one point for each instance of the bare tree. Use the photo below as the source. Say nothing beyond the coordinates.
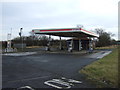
(105, 38)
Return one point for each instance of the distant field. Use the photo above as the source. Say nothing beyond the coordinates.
(104, 72)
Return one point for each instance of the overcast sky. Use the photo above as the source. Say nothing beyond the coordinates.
(59, 14)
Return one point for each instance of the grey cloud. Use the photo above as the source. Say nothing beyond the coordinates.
(52, 14)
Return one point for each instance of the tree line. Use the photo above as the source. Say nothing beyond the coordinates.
(104, 39)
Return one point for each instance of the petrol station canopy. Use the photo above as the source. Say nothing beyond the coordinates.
(66, 32)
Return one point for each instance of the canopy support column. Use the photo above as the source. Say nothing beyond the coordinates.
(60, 46)
(48, 44)
(80, 45)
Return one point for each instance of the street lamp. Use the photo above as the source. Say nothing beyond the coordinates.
(20, 33)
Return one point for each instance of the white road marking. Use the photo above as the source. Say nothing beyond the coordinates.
(25, 88)
(58, 82)
(63, 81)
(71, 80)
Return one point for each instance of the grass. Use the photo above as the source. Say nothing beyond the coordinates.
(34, 46)
(107, 47)
(103, 72)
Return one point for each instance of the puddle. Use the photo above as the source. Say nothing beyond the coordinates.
(104, 54)
(44, 61)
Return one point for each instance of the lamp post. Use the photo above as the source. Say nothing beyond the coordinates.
(79, 26)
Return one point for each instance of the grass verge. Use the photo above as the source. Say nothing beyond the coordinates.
(107, 47)
(103, 72)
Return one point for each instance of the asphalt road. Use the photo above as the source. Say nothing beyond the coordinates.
(34, 70)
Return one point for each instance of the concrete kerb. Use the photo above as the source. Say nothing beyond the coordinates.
(66, 52)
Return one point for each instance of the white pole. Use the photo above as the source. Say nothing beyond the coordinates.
(22, 43)
(11, 38)
(11, 33)
(21, 37)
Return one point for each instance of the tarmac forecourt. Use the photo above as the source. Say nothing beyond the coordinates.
(47, 70)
